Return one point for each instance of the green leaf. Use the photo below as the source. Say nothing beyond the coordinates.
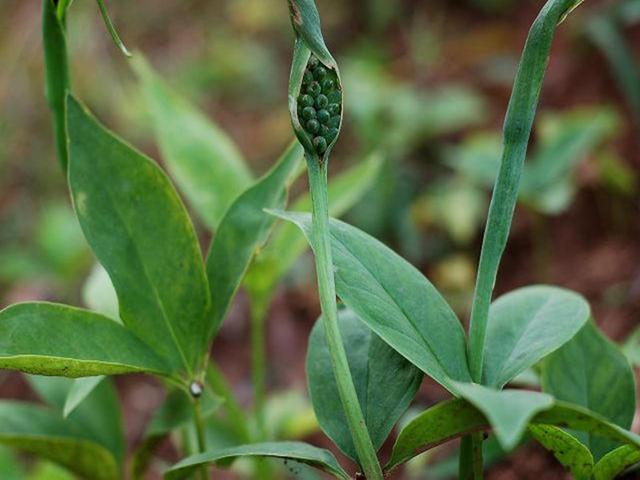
(631, 347)
(141, 233)
(242, 231)
(99, 416)
(287, 243)
(455, 418)
(99, 295)
(508, 411)
(385, 382)
(526, 325)
(570, 452)
(205, 163)
(56, 73)
(565, 141)
(608, 36)
(297, 451)
(592, 372)
(50, 339)
(396, 301)
(78, 392)
(616, 462)
(442, 422)
(43, 432)
(306, 23)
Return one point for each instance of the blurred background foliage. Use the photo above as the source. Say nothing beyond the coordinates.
(426, 85)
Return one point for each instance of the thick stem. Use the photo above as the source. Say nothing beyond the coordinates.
(326, 287)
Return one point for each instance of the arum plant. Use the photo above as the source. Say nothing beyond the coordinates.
(315, 104)
(406, 312)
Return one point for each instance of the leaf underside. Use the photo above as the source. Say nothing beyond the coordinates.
(384, 381)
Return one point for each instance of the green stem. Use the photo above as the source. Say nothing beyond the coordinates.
(258, 378)
(471, 462)
(57, 76)
(326, 286)
(517, 130)
(199, 424)
(258, 366)
(220, 387)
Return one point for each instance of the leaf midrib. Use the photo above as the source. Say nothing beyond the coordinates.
(445, 382)
(151, 284)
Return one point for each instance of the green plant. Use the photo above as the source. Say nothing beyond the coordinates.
(366, 358)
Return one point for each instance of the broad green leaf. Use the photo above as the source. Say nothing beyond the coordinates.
(298, 451)
(569, 451)
(616, 462)
(141, 233)
(56, 73)
(50, 339)
(455, 418)
(396, 301)
(592, 372)
(45, 433)
(287, 243)
(205, 163)
(242, 231)
(526, 325)
(385, 382)
(99, 416)
(508, 411)
(79, 391)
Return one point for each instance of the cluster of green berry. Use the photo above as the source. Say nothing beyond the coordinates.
(319, 104)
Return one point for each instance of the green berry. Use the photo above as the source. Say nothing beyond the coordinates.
(334, 109)
(308, 113)
(313, 126)
(324, 131)
(313, 62)
(331, 134)
(322, 101)
(335, 121)
(328, 85)
(314, 88)
(335, 97)
(319, 73)
(323, 116)
(307, 101)
(321, 144)
(307, 77)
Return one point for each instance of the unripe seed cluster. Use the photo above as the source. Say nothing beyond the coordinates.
(320, 104)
